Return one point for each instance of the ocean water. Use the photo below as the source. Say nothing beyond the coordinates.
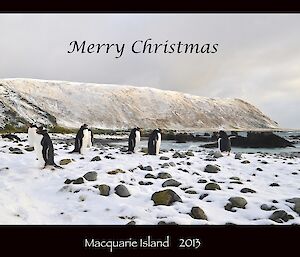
(169, 144)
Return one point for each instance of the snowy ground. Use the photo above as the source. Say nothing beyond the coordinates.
(31, 195)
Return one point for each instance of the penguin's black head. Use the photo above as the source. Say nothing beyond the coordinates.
(85, 126)
(41, 130)
(138, 129)
(222, 134)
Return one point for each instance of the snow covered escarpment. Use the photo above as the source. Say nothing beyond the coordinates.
(70, 104)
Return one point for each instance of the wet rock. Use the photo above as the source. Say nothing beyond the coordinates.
(266, 207)
(212, 186)
(247, 190)
(78, 181)
(91, 176)
(65, 161)
(171, 183)
(122, 191)
(211, 169)
(280, 216)
(104, 189)
(203, 196)
(274, 185)
(116, 171)
(96, 159)
(149, 176)
(198, 213)
(163, 175)
(238, 202)
(165, 197)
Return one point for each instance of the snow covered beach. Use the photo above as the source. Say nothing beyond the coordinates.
(254, 189)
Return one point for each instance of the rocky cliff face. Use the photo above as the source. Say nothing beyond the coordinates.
(70, 104)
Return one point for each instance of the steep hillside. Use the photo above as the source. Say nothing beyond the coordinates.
(70, 104)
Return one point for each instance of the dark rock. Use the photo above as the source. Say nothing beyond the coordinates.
(171, 183)
(274, 185)
(217, 154)
(191, 192)
(69, 181)
(104, 189)
(78, 181)
(149, 176)
(198, 213)
(65, 161)
(247, 190)
(142, 183)
(266, 207)
(235, 178)
(165, 165)
(189, 153)
(147, 168)
(212, 186)
(15, 150)
(91, 176)
(238, 156)
(131, 223)
(259, 169)
(165, 197)
(122, 191)
(203, 196)
(211, 169)
(29, 149)
(238, 202)
(116, 171)
(164, 175)
(164, 158)
(236, 182)
(245, 162)
(96, 159)
(296, 201)
(280, 216)
(172, 164)
(202, 181)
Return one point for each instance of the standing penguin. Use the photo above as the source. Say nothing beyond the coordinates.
(78, 139)
(134, 139)
(154, 142)
(44, 148)
(31, 134)
(85, 140)
(224, 144)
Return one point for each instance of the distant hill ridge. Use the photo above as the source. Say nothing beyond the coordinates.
(69, 104)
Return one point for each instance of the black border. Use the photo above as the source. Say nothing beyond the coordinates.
(216, 240)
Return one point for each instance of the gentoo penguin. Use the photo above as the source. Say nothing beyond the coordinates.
(79, 138)
(224, 144)
(154, 142)
(31, 134)
(44, 148)
(134, 139)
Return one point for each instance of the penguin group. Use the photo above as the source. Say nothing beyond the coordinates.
(154, 141)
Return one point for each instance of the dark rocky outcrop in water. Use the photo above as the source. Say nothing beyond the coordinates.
(256, 140)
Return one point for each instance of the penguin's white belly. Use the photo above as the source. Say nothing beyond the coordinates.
(38, 148)
(158, 143)
(89, 143)
(31, 136)
(85, 141)
(137, 140)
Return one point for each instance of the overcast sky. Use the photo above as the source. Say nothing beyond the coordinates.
(258, 57)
